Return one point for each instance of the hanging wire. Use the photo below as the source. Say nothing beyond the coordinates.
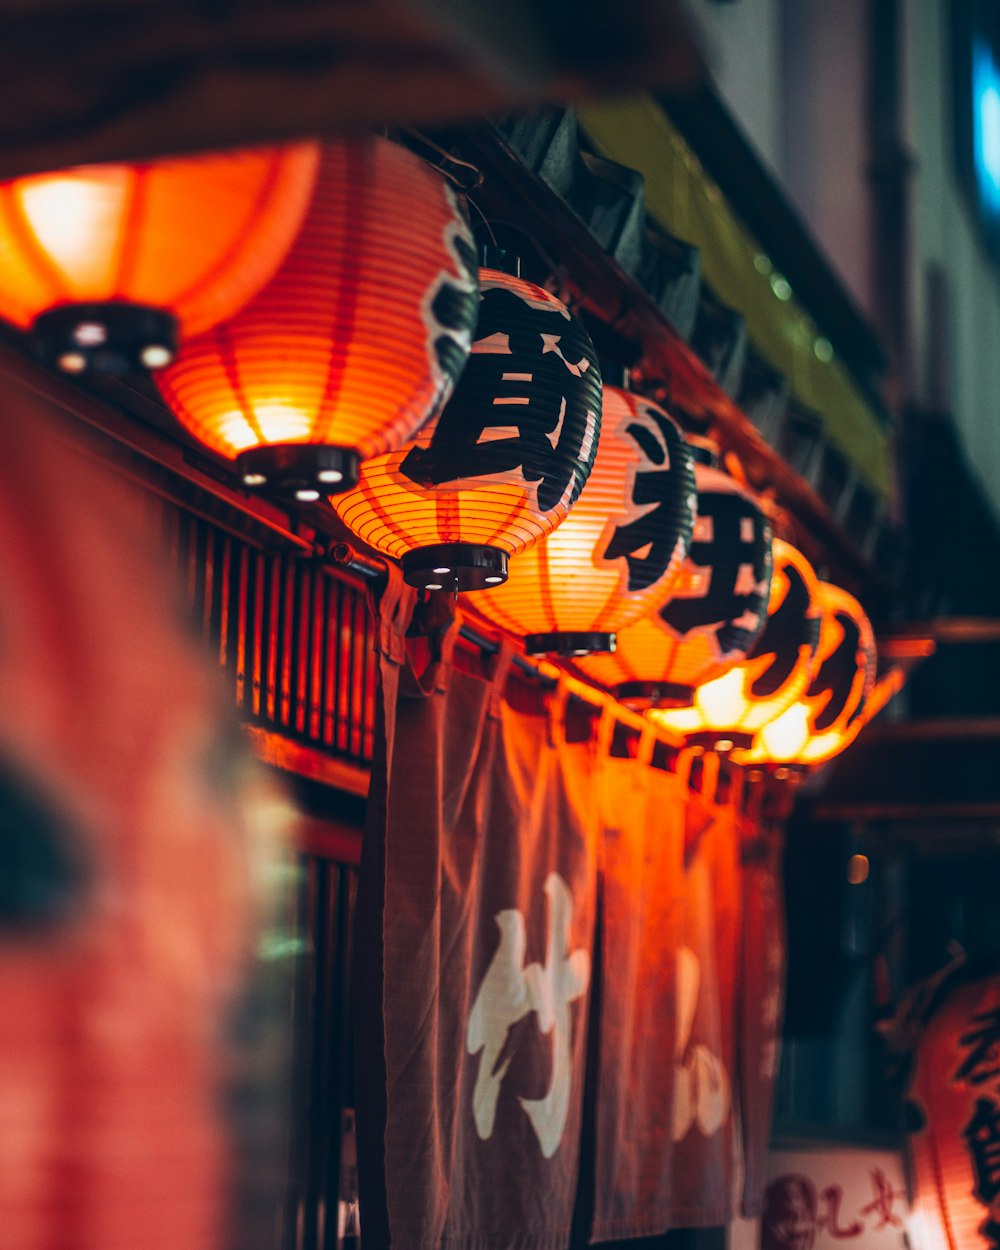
(464, 186)
(486, 221)
(449, 159)
(557, 284)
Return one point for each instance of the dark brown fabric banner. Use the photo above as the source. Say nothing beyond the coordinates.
(484, 822)
(760, 1004)
(666, 1136)
(704, 1123)
(643, 877)
(483, 976)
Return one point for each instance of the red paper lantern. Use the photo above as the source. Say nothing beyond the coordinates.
(955, 1091)
(131, 861)
(106, 263)
(615, 555)
(727, 711)
(717, 606)
(506, 459)
(354, 343)
(829, 714)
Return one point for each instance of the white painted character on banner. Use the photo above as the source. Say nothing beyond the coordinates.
(770, 1011)
(701, 1084)
(509, 991)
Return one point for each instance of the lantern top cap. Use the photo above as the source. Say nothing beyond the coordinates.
(615, 374)
(502, 259)
(702, 451)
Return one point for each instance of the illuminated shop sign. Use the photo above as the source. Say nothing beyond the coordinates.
(986, 126)
(976, 95)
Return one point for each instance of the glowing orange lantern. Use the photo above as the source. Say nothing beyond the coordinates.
(615, 555)
(830, 713)
(717, 606)
(506, 459)
(729, 710)
(106, 263)
(354, 343)
(130, 861)
(955, 1092)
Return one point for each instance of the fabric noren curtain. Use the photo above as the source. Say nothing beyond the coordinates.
(547, 975)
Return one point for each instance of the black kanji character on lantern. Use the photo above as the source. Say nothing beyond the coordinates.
(982, 1062)
(666, 496)
(836, 674)
(529, 398)
(982, 1134)
(733, 545)
(790, 623)
(452, 313)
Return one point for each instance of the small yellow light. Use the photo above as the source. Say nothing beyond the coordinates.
(156, 356)
(858, 869)
(90, 334)
(72, 362)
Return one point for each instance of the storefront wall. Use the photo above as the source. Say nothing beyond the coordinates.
(962, 320)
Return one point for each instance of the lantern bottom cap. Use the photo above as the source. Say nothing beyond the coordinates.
(723, 740)
(455, 567)
(111, 336)
(790, 771)
(780, 770)
(301, 472)
(569, 643)
(646, 694)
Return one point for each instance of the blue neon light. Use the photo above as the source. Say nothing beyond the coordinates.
(986, 126)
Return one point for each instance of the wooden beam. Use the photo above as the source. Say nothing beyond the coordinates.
(98, 80)
(947, 630)
(304, 761)
(936, 729)
(511, 192)
(924, 813)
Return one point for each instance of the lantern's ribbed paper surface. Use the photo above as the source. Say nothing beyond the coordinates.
(617, 552)
(194, 236)
(718, 603)
(360, 335)
(761, 687)
(134, 841)
(830, 711)
(954, 1093)
(511, 451)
